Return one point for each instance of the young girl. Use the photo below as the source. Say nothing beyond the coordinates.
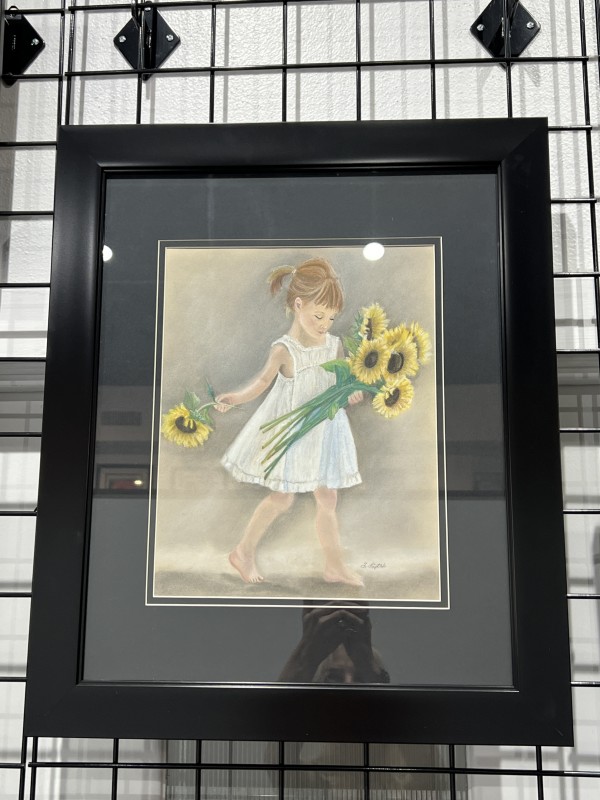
(322, 461)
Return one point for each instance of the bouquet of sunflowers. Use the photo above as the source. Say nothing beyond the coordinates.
(381, 363)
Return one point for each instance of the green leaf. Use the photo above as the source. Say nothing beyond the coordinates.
(191, 400)
(332, 411)
(340, 368)
(202, 416)
(351, 344)
(210, 390)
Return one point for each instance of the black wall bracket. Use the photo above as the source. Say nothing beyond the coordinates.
(489, 28)
(22, 45)
(146, 40)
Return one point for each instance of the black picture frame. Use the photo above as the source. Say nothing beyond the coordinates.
(536, 708)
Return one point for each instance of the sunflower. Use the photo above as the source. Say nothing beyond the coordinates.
(179, 427)
(369, 361)
(374, 322)
(422, 341)
(403, 362)
(394, 398)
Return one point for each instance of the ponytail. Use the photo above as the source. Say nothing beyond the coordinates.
(314, 279)
(276, 278)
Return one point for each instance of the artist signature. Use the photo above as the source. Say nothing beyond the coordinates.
(373, 565)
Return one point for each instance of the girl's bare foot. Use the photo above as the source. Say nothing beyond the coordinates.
(342, 575)
(245, 565)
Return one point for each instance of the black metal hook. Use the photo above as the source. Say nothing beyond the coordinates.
(489, 28)
(22, 45)
(146, 41)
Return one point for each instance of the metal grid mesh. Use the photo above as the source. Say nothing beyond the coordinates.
(285, 74)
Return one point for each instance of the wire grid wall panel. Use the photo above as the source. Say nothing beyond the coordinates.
(278, 60)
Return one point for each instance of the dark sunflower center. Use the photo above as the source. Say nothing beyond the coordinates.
(393, 398)
(369, 329)
(371, 359)
(186, 425)
(396, 362)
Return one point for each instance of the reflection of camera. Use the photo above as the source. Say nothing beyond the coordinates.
(335, 648)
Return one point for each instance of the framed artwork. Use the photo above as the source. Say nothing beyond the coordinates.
(311, 486)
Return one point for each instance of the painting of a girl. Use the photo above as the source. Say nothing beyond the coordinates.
(262, 510)
(323, 461)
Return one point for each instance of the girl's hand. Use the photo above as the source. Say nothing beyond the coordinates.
(355, 397)
(224, 402)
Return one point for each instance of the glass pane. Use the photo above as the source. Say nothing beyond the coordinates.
(193, 570)
(21, 396)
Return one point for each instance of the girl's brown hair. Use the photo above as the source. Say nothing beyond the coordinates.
(313, 280)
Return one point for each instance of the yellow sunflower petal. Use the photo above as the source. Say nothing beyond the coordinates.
(393, 399)
(179, 427)
(369, 360)
(422, 341)
(403, 361)
(374, 321)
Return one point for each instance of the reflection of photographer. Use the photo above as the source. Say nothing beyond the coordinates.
(335, 648)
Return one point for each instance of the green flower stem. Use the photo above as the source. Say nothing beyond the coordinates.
(299, 411)
(297, 423)
(320, 414)
(321, 407)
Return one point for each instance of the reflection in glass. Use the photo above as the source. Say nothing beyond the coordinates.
(335, 648)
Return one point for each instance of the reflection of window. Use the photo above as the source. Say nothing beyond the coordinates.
(122, 477)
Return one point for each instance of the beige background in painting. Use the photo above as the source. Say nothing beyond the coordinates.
(219, 323)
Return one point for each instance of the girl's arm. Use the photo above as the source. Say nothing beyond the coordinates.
(278, 358)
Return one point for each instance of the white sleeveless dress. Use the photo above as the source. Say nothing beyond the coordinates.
(324, 457)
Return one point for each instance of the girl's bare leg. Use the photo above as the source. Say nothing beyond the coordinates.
(329, 536)
(266, 512)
